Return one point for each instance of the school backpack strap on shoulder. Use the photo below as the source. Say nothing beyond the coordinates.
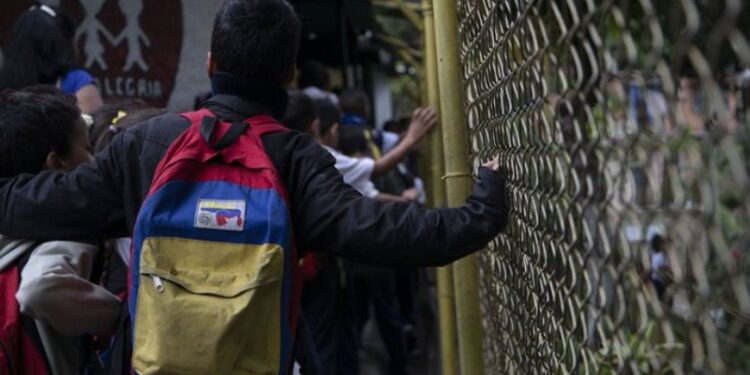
(208, 124)
(214, 285)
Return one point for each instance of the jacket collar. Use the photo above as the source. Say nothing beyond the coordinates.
(233, 95)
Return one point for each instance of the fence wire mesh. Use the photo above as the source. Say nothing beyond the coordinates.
(624, 127)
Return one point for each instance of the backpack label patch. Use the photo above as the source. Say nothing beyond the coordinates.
(220, 214)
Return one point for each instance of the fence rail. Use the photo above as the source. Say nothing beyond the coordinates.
(624, 128)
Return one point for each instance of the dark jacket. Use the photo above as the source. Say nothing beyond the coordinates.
(102, 199)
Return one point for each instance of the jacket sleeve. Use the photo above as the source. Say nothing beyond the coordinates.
(55, 285)
(83, 204)
(331, 216)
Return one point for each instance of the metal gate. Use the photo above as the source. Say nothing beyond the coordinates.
(624, 128)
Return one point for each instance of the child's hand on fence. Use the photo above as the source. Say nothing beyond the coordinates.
(410, 194)
(421, 122)
(493, 164)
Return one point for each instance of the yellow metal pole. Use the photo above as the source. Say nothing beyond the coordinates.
(458, 182)
(446, 312)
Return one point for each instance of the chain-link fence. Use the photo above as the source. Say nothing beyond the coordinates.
(624, 126)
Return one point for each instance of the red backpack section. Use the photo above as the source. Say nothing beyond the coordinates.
(18, 353)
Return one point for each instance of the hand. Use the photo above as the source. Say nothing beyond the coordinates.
(493, 164)
(422, 121)
(410, 195)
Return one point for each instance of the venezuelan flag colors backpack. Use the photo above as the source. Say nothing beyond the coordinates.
(213, 281)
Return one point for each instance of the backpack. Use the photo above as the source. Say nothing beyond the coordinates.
(21, 348)
(213, 281)
(21, 352)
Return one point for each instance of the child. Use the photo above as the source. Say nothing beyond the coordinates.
(42, 129)
(355, 105)
(324, 298)
(41, 50)
(315, 81)
(103, 117)
(321, 120)
(115, 119)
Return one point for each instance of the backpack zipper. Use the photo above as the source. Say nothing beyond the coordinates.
(158, 283)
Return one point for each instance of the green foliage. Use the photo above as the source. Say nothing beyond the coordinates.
(641, 350)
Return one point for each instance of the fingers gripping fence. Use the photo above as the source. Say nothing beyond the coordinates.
(624, 127)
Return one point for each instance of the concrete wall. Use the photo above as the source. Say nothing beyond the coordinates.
(191, 77)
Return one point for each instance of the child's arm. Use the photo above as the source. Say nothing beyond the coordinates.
(331, 216)
(385, 198)
(422, 121)
(86, 203)
(95, 201)
(55, 289)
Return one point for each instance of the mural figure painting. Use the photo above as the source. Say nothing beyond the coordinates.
(120, 54)
(91, 27)
(133, 34)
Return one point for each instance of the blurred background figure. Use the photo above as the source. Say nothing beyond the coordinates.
(41, 51)
(315, 81)
(116, 116)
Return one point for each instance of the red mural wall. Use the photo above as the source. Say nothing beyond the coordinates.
(132, 47)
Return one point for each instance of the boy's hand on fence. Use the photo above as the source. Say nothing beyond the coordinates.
(410, 194)
(421, 122)
(493, 164)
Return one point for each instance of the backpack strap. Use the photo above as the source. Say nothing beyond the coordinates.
(116, 357)
(24, 258)
(207, 126)
(196, 116)
(266, 125)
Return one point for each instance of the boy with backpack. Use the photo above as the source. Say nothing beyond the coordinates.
(222, 201)
(41, 128)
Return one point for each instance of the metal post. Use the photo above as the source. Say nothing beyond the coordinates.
(445, 294)
(458, 182)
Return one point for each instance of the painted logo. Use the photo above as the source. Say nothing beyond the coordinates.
(220, 214)
(132, 47)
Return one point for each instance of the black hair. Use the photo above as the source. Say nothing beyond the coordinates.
(399, 125)
(390, 125)
(256, 39)
(352, 140)
(355, 101)
(104, 115)
(328, 115)
(41, 48)
(33, 122)
(130, 119)
(657, 243)
(314, 73)
(300, 111)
